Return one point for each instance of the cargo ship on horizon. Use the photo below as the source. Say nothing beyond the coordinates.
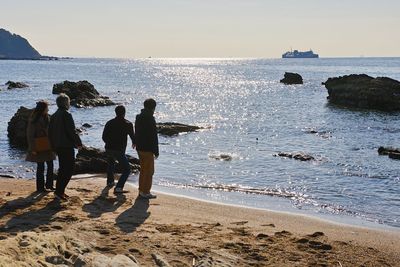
(299, 54)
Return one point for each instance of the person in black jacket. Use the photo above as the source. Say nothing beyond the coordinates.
(115, 135)
(146, 146)
(63, 139)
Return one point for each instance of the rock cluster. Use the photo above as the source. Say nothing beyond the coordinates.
(14, 85)
(93, 160)
(363, 91)
(292, 78)
(296, 156)
(393, 153)
(172, 128)
(82, 94)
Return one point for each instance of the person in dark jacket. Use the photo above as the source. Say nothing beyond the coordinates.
(38, 127)
(115, 135)
(147, 146)
(63, 139)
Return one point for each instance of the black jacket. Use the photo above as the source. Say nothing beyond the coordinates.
(115, 134)
(146, 132)
(62, 133)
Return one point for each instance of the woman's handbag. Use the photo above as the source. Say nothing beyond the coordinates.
(42, 144)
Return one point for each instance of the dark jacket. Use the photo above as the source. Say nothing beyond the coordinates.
(146, 132)
(62, 132)
(38, 128)
(115, 134)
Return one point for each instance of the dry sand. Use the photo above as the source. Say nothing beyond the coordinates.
(97, 228)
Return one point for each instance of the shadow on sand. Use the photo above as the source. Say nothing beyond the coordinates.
(32, 219)
(21, 203)
(133, 217)
(104, 203)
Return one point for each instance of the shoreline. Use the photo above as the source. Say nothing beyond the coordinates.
(95, 224)
(339, 219)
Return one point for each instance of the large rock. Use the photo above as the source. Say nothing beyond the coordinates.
(363, 91)
(14, 85)
(82, 94)
(93, 160)
(173, 128)
(17, 127)
(292, 78)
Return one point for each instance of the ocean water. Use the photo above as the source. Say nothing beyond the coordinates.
(248, 115)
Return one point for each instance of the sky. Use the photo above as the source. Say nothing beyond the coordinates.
(205, 28)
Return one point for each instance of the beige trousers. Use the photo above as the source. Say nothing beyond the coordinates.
(146, 171)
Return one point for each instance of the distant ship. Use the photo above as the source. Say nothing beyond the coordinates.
(299, 54)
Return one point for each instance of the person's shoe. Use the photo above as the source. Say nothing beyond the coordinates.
(59, 197)
(51, 188)
(147, 195)
(111, 184)
(119, 190)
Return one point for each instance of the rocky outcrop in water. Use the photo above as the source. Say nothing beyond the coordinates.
(82, 94)
(292, 78)
(393, 153)
(17, 128)
(363, 91)
(15, 85)
(172, 128)
(93, 160)
(296, 156)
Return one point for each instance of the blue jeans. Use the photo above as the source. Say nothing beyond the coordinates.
(126, 168)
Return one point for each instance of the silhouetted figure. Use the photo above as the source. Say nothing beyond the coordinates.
(64, 139)
(39, 149)
(146, 146)
(115, 135)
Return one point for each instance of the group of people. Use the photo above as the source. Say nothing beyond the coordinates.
(55, 135)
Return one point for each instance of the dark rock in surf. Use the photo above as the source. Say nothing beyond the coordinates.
(93, 160)
(292, 78)
(82, 94)
(17, 128)
(172, 128)
(363, 91)
(15, 85)
(387, 150)
(296, 156)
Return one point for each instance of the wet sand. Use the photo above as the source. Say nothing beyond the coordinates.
(97, 228)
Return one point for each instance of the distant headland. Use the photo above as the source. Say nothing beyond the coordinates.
(13, 46)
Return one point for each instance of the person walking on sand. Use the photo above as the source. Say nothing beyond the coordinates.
(115, 135)
(63, 139)
(39, 149)
(146, 146)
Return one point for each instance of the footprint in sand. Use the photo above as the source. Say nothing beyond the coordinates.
(56, 227)
(316, 234)
(283, 234)
(135, 250)
(240, 223)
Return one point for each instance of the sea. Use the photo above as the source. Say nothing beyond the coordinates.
(248, 117)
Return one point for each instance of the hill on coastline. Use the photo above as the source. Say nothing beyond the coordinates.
(13, 46)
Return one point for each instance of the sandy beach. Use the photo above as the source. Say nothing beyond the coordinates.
(97, 228)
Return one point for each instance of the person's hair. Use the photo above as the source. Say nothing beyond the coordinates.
(150, 103)
(63, 101)
(120, 111)
(39, 109)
